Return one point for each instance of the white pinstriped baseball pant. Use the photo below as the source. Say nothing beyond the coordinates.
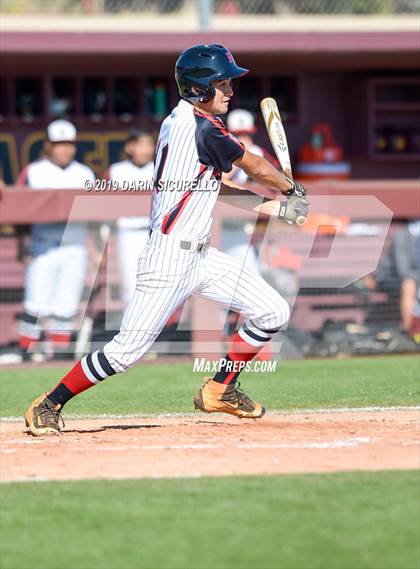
(167, 275)
(54, 282)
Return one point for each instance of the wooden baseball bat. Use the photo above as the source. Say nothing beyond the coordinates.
(278, 139)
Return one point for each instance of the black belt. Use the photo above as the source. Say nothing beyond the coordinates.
(189, 245)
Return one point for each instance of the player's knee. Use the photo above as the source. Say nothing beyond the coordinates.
(276, 317)
(281, 312)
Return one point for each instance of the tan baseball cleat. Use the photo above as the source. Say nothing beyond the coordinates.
(43, 417)
(214, 397)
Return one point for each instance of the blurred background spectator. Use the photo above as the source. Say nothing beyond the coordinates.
(236, 237)
(135, 172)
(56, 256)
(399, 272)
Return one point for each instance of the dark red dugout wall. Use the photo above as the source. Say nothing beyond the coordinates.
(331, 76)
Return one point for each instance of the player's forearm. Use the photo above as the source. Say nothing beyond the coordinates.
(260, 170)
(231, 192)
(238, 196)
(271, 207)
(231, 188)
(234, 189)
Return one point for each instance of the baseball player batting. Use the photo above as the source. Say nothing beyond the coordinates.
(194, 148)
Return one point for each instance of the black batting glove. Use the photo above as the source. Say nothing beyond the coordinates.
(296, 190)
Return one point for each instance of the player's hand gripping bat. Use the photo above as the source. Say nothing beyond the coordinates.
(278, 140)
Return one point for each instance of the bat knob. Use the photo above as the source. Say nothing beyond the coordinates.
(301, 220)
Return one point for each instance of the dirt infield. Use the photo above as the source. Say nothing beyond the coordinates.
(204, 445)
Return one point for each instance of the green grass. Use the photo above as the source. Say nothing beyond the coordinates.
(392, 380)
(337, 521)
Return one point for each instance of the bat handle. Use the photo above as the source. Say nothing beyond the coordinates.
(301, 220)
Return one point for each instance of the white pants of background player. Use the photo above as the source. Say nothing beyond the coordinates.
(54, 284)
(168, 275)
(130, 242)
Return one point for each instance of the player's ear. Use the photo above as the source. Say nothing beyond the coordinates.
(47, 147)
(127, 147)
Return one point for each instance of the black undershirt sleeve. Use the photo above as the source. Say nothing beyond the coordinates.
(216, 146)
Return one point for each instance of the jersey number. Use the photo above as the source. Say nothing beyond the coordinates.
(162, 160)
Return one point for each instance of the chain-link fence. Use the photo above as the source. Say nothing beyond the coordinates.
(293, 7)
(222, 7)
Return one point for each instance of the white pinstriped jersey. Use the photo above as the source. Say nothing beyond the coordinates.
(193, 150)
(42, 175)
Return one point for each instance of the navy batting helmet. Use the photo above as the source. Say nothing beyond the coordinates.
(198, 66)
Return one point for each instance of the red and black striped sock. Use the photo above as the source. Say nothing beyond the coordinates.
(89, 371)
(247, 342)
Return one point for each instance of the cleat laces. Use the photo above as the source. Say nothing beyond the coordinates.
(50, 416)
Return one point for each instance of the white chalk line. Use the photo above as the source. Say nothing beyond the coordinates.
(374, 409)
(338, 443)
(316, 445)
(332, 444)
(173, 476)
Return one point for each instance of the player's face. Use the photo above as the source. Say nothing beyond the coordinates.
(61, 153)
(224, 92)
(141, 151)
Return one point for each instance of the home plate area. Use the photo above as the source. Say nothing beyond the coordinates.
(214, 445)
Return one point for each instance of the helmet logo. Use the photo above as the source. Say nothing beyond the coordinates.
(229, 56)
